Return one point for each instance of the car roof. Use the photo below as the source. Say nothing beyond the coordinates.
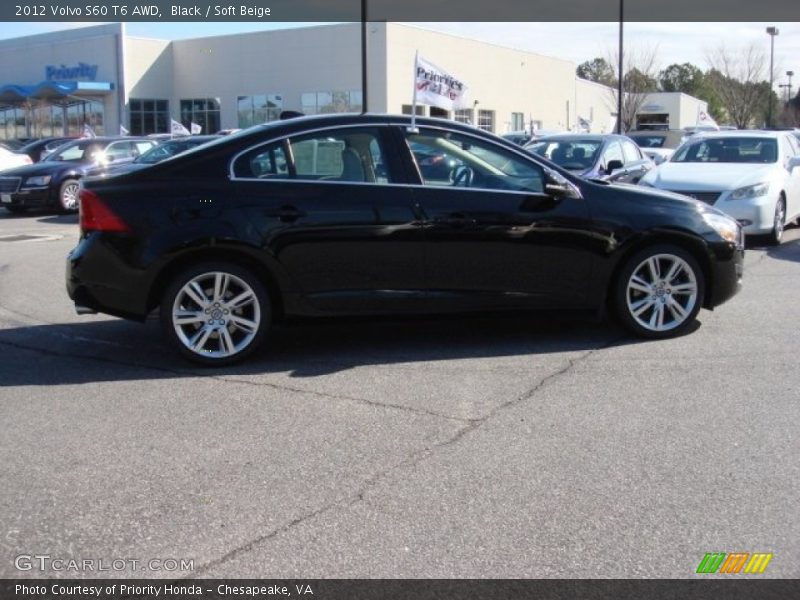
(738, 133)
(599, 137)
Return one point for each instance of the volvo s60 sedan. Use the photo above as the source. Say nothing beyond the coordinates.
(752, 176)
(331, 215)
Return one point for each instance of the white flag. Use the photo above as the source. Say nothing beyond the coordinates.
(705, 120)
(437, 87)
(88, 132)
(177, 128)
(123, 131)
(196, 128)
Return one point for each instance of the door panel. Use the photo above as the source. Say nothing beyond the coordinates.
(326, 209)
(497, 238)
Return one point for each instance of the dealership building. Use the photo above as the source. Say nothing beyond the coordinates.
(99, 76)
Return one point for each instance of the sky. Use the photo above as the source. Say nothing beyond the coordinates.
(578, 42)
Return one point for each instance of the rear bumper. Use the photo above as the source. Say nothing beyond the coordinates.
(97, 279)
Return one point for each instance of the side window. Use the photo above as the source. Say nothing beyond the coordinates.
(119, 150)
(142, 147)
(353, 155)
(446, 158)
(613, 152)
(264, 162)
(631, 152)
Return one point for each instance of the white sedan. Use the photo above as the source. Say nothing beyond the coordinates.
(9, 160)
(753, 176)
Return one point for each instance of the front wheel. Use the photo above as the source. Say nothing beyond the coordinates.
(779, 222)
(659, 292)
(215, 313)
(68, 195)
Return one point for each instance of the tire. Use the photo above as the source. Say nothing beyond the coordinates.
(68, 196)
(215, 313)
(779, 223)
(649, 304)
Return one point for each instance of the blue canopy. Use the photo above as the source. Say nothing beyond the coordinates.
(52, 90)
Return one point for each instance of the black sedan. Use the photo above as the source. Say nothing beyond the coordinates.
(294, 218)
(38, 149)
(53, 182)
(609, 157)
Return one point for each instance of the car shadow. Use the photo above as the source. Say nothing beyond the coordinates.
(789, 248)
(59, 219)
(117, 350)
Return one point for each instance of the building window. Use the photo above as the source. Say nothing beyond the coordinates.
(202, 111)
(407, 110)
(463, 116)
(257, 109)
(517, 121)
(486, 120)
(318, 103)
(148, 116)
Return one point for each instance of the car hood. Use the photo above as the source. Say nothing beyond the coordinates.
(40, 168)
(660, 198)
(116, 170)
(702, 177)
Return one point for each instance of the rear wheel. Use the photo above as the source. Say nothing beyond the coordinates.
(215, 313)
(68, 195)
(659, 292)
(779, 222)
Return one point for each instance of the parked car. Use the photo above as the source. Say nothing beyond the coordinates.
(608, 157)
(658, 145)
(520, 138)
(38, 149)
(156, 154)
(752, 176)
(291, 218)
(10, 160)
(54, 180)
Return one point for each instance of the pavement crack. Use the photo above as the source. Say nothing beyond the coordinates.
(232, 380)
(412, 460)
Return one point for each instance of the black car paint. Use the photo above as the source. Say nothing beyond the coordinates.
(336, 248)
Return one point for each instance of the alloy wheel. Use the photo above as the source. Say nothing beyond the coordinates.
(216, 315)
(70, 191)
(662, 292)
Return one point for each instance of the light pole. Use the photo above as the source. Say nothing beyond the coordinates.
(772, 32)
(620, 75)
(788, 86)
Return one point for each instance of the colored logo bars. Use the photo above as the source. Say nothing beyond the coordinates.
(714, 562)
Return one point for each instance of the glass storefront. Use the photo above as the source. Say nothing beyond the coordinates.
(203, 112)
(40, 118)
(260, 108)
(148, 116)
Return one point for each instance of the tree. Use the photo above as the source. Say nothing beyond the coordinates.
(736, 78)
(684, 78)
(638, 81)
(791, 112)
(597, 70)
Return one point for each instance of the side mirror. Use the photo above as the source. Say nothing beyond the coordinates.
(559, 187)
(614, 165)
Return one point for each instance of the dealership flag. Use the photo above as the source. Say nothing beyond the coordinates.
(177, 128)
(436, 87)
(88, 132)
(196, 128)
(123, 131)
(703, 118)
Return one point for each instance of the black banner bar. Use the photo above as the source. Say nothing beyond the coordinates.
(735, 587)
(396, 10)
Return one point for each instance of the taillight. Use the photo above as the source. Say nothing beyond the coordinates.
(95, 215)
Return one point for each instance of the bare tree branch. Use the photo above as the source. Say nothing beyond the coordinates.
(736, 77)
(639, 79)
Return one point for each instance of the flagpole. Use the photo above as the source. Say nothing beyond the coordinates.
(414, 98)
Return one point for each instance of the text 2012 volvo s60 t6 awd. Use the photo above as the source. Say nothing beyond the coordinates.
(331, 215)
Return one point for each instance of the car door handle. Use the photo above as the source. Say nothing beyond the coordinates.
(287, 213)
(455, 220)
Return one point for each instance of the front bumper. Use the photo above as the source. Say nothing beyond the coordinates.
(727, 271)
(28, 197)
(755, 215)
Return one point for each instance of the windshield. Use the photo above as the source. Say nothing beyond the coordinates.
(81, 151)
(728, 150)
(575, 155)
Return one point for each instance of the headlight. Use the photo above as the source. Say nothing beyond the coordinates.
(751, 191)
(37, 181)
(727, 228)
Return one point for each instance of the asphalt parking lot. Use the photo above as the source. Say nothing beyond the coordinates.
(459, 447)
